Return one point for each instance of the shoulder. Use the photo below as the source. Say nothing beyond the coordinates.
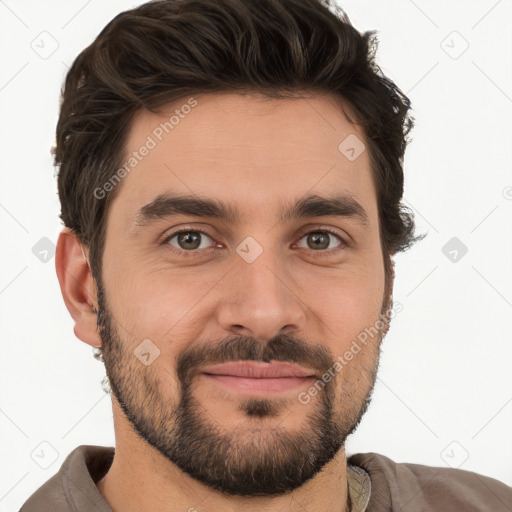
(416, 487)
(73, 487)
(48, 498)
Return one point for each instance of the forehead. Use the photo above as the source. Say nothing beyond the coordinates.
(246, 150)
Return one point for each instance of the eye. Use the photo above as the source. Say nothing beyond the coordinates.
(321, 239)
(187, 240)
(191, 242)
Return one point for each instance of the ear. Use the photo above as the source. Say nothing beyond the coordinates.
(77, 286)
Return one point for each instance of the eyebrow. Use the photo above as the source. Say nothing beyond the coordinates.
(165, 206)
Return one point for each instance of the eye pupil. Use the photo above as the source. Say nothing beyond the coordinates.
(317, 239)
(189, 237)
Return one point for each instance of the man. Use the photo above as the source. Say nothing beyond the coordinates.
(230, 180)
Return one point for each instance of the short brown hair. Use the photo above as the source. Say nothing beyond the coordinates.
(165, 50)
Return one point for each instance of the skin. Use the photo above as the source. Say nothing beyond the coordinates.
(256, 155)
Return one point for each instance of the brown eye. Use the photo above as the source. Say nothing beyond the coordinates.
(187, 240)
(321, 239)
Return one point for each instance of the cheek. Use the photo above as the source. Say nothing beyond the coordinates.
(350, 292)
(348, 303)
(160, 303)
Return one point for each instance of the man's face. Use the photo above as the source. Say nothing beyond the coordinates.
(253, 288)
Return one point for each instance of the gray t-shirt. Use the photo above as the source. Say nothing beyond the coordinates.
(394, 486)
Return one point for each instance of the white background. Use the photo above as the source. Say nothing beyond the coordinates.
(444, 392)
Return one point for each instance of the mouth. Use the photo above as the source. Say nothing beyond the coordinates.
(257, 378)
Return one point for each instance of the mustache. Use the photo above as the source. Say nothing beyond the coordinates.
(282, 347)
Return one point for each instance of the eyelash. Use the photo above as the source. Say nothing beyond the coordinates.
(201, 252)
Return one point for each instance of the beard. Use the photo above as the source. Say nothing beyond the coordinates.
(264, 459)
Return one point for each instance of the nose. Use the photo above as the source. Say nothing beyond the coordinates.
(260, 300)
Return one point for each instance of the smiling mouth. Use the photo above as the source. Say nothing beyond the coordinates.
(258, 385)
(258, 378)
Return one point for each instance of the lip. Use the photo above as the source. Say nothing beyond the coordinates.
(258, 370)
(258, 379)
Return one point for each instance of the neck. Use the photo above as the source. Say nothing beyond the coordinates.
(140, 478)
